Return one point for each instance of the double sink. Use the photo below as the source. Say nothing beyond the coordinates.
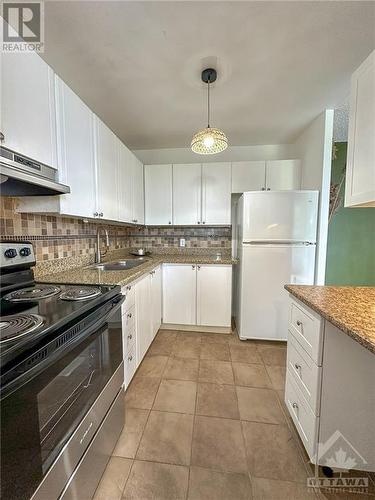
(120, 265)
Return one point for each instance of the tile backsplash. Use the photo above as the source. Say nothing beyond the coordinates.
(56, 237)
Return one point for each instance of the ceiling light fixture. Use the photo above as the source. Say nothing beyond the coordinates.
(209, 141)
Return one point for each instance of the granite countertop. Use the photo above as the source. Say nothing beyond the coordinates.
(85, 276)
(349, 308)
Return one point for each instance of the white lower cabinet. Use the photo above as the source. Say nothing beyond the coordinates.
(197, 295)
(155, 300)
(143, 307)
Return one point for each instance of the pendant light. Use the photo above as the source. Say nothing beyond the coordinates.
(210, 140)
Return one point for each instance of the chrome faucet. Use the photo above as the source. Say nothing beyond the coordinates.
(99, 253)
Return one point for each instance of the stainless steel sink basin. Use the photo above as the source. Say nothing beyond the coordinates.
(121, 265)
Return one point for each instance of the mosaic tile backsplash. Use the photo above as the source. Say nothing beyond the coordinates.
(56, 237)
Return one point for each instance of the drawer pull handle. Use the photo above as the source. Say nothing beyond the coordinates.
(130, 336)
(297, 366)
(299, 323)
(130, 358)
(129, 315)
(295, 405)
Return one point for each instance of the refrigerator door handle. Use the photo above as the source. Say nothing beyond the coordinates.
(278, 242)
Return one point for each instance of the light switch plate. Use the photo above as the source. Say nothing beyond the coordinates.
(182, 242)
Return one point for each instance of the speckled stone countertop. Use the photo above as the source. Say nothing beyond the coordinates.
(87, 276)
(349, 308)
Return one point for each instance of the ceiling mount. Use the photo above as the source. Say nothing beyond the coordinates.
(209, 75)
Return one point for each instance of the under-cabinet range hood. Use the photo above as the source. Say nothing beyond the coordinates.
(22, 176)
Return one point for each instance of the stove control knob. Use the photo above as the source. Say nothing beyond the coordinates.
(25, 252)
(10, 253)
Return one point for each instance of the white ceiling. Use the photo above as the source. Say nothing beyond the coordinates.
(137, 64)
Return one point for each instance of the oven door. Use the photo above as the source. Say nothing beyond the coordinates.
(41, 413)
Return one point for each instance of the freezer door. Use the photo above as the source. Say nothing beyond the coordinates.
(280, 216)
(263, 301)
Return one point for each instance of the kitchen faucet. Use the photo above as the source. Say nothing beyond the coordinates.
(99, 253)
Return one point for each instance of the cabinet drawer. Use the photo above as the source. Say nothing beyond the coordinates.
(305, 421)
(129, 292)
(128, 320)
(307, 327)
(130, 366)
(305, 372)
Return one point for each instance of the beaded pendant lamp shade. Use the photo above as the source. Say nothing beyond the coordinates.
(209, 140)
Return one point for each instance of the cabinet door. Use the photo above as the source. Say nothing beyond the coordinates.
(283, 175)
(75, 145)
(106, 164)
(125, 183)
(216, 193)
(28, 107)
(360, 172)
(248, 176)
(187, 180)
(156, 300)
(143, 317)
(158, 194)
(138, 192)
(179, 294)
(214, 291)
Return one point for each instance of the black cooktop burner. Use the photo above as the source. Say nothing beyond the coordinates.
(18, 325)
(32, 293)
(80, 293)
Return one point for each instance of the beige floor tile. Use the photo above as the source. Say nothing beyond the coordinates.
(127, 444)
(187, 348)
(161, 347)
(181, 335)
(181, 369)
(171, 335)
(247, 353)
(113, 480)
(153, 481)
(167, 438)
(273, 355)
(250, 375)
(219, 352)
(219, 372)
(152, 366)
(272, 453)
(217, 401)
(271, 489)
(259, 405)
(207, 484)
(277, 376)
(218, 444)
(216, 338)
(176, 396)
(142, 392)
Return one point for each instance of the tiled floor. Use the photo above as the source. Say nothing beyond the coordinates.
(205, 420)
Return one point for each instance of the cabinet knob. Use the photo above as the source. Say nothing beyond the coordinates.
(130, 336)
(299, 323)
(129, 287)
(170, 222)
(129, 315)
(199, 222)
(268, 189)
(297, 366)
(101, 214)
(96, 214)
(198, 267)
(204, 222)
(130, 358)
(295, 405)
(2, 137)
(193, 267)
(263, 189)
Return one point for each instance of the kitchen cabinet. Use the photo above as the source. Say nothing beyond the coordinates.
(143, 316)
(106, 156)
(138, 192)
(216, 193)
(283, 175)
(158, 194)
(179, 294)
(187, 190)
(248, 176)
(28, 107)
(360, 169)
(129, 333)
(214, 289)
(125, 183)
(197, 295)
(156, 290)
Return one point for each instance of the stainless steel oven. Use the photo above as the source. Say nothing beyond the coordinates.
(55, 403)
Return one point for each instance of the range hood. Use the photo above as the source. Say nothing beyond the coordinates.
(22, 176)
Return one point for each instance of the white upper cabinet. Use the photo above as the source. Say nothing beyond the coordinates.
(214, 291)
(75, 147)
(187, 182)
(125, 183)
(138, 192)
(158, 194)
(106, 166)
(28, 107)
(216, 193)
(179, 294)
(248, 176)
(283, 175)
(360, 170)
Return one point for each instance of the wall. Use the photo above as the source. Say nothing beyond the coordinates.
(232, 153)
(351, 233)
(314, 147)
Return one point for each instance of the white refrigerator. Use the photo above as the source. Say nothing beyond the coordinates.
(276, 244)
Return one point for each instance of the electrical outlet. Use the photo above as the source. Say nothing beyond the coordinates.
(182, 242)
